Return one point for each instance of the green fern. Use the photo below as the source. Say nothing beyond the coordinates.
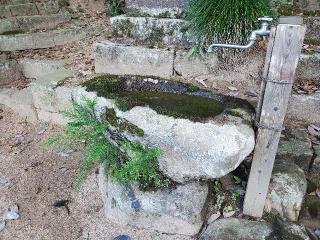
(126, 161)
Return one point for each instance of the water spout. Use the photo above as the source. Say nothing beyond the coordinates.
(263, 31)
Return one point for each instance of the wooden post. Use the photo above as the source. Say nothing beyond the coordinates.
(281, 61)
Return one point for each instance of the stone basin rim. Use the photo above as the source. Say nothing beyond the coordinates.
(140, 84)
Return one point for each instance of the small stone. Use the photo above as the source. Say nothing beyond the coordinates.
(4, 182)
(2, 225)
(65, 153)
(214, 217)
(122, 237)
(12, 213)
(228, 214)
(232, 89)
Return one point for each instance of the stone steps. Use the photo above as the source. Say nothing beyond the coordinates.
(35, 22)
(43, 39)
(152, 31)
(29, 9)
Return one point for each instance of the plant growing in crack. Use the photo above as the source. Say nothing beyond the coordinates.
(101, 142)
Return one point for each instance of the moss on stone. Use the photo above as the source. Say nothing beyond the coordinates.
(122, 125)
(179, 105)
(124, 28)
(13, 32)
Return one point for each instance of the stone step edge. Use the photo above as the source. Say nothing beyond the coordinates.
(34, 22)
(119, 59)
(44, 39)
(25, 9)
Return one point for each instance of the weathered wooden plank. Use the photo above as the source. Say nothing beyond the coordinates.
(279, 79)
(265, 72)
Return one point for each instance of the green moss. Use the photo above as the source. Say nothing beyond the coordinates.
(13, 32)
(178, 105)
(122, 125)
(165, 14)
(124, 28)
(63, 3)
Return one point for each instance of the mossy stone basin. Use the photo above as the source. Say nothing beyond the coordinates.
(202, 134)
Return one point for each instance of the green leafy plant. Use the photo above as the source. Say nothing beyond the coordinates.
(103, 143)
(114, 7)
(225, 21)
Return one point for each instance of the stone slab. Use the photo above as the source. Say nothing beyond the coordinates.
(119, 59)
(194, 66)
(178, 210)
(156, 3)
(26, 9)
(42, 39)
(35, 22)
(305, 107)
(151, 31)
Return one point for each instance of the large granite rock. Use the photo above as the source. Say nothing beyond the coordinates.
(178, 210)
(287, 189)
(194, 150)
(240, 229)
(296, 147)
(119, 59)
(206, 149)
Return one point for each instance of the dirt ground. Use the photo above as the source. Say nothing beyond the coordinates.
(39, 177)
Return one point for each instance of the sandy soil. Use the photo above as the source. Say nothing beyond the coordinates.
(39, 177)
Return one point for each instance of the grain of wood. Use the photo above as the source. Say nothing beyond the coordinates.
(279, 77)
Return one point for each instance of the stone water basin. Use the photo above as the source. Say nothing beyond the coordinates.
(202, 134)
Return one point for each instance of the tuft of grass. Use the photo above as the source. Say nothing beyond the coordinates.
(225, 21)
(114, 7)
(101, 142)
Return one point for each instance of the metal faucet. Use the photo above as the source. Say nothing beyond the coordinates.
(263, 31)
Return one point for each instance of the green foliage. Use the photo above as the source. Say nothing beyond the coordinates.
(225, 21)
(63, 3)
(126, 161)
(114, 7)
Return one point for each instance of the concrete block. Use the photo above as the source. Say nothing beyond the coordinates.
(120, 60)
(152, 30)
(194, 66)
(26, 9)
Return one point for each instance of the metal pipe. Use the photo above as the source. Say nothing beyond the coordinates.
(263, 31)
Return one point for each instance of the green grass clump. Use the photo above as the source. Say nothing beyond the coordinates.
(103, 143)
(114, 7)
(225, 21)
